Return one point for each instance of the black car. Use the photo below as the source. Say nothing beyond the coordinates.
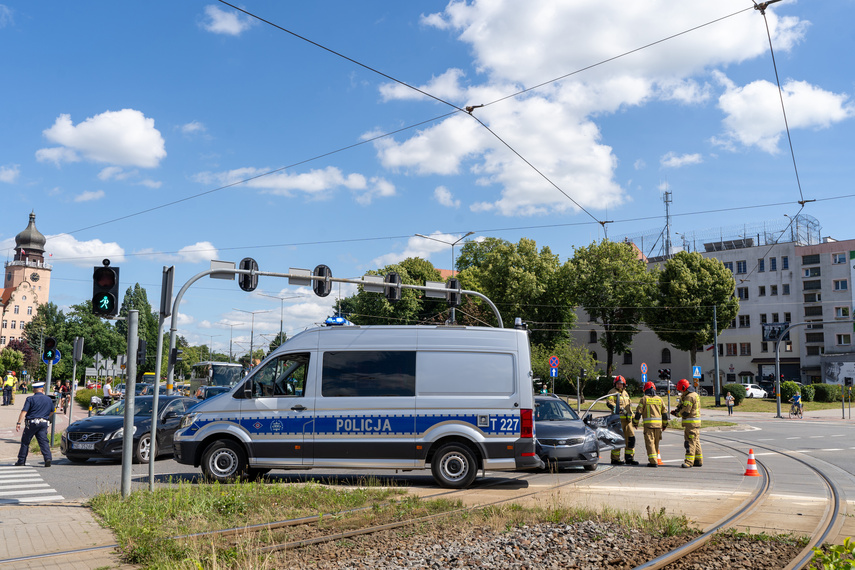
(563, 440)
(100, 436)
(206, 392)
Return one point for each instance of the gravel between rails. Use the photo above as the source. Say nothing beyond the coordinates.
(583, 545)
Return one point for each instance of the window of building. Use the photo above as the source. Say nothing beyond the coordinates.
(814, 350)
(13, 324)
(841, 312)
(728, 265)
(29, 310)
(785, 262)
(787, 318)
(627, 357)
(376, 373)
(812, 259)
(741, 267)
(839, 285)
(666, 356)
(813, 311)
(773, 290)
(813, 297)
(788, 346)
(814, 337)
(817, 325)
(764, 347)
(838, 258)
(2, 340)
(763, 318)
(811, 285)
(594, 355)
(844, 339)
(812, 272)
(761, 265)
(721, 349)
(773, 264)
(775, 318)
(592, 336)
(733, 324)
(17, 309)
(744, 321)
(786, 289)
(5, 323)
(744, 349)
(730, 349)
(742, 293)
(761, 292)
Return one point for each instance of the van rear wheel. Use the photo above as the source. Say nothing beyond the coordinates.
(453, 466)
(224, 461)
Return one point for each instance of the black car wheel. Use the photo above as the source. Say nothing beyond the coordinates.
(453, 466)
(143, 449)
(591, 467)
(224, 461)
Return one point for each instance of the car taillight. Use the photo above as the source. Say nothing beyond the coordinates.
(526, 423)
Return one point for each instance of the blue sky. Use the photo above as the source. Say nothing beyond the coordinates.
(128, 127)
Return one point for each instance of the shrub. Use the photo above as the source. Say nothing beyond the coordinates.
(789, 388)
(82, 396)
(808, 392)
(827, 392)
(737, 390)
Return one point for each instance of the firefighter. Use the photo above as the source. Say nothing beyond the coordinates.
(652, 412)
(689, 409)
(624, 409)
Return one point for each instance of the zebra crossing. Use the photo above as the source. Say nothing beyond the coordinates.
(24, 484)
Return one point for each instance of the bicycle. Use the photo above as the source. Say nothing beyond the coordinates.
(795, 411)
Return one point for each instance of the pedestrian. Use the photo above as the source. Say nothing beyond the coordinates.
(620, 398)
(729, 401)
(37, 411)
(651, 411)
(108, 391)
(8, 386)
(689, 409)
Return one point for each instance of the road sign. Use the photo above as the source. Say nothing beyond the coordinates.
(696, 372)
(553, 372)
(644, 368)
(55, 360)
(643, 378)
(553, 362)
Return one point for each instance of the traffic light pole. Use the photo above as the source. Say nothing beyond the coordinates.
(223, 271)
(130, 393)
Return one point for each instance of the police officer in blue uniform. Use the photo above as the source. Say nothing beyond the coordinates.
(36, 413)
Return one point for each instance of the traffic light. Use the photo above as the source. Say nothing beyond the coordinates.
(248, 282)
(323, 286)
(50, 349)
(105, 290)
(393, 294)
(667, 374)
(141, 352)
(175, 357)
(453, 296)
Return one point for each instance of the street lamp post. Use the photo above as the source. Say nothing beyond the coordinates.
(281, 310)
(211, 346)
(452, 244)
(251, 329)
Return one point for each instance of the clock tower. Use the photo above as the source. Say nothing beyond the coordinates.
(26, 283)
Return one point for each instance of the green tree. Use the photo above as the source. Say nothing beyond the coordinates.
(99, 337)
(522, 282)
(571, 360)
(31, 357)
(277, 342)
(681, 311)
(610, 281)
(11, 359)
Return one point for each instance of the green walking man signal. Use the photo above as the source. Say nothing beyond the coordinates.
(105, 290)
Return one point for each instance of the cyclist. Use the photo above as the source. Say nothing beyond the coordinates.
(64, 393)
(796, 400)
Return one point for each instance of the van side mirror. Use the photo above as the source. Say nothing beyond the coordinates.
(247, 390)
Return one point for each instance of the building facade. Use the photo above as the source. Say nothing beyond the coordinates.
(26, 283)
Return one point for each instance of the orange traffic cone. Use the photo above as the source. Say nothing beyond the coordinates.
(658, 458)
(751, 471)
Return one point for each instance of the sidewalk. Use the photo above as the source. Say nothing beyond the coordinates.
(31, 529)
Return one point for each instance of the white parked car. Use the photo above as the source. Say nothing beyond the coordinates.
(754, 391)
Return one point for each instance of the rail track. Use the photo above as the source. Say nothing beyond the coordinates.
(748, 507)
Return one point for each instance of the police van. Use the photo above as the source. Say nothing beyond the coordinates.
(459, 399)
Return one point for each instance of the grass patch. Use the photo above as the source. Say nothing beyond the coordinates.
(146, 523)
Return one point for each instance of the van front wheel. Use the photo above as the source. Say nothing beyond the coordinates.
(453, 466)
(224, 461)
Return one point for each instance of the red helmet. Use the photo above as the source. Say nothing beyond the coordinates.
(620, 379)
(649, 386)
(682, 385)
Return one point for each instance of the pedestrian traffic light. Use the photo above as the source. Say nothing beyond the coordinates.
(105, 290)
(141, 352)
(667, 374)
(453, 285)
(322, 286)
(50, 349)
(248, 282)
(393, 293)
(175, 357)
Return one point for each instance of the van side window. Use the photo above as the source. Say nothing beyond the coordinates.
(369, 374)
(282, 376)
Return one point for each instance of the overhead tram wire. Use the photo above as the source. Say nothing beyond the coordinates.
(372, 139)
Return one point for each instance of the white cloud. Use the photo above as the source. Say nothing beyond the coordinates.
(193, 127)
(151, 183)
(443, 196)
(221, 22)
(318, 184)
(125, 138)
(64, 248)
(203, 251)
(671, 160)
(89, 196)
(5, 16)
(754, 116)
(639, 164)
(10, 173)
(554, 126)
(116, 173)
